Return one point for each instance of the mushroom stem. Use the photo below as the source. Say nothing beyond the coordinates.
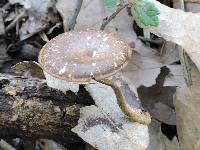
(61, 85)
(122, 92)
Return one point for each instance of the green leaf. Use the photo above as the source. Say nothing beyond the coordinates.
(145, 13)
(152, 13)
(110, 3)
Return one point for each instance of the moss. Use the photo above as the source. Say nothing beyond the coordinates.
(72, 110)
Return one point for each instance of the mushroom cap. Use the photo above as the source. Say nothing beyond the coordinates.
(79, 56)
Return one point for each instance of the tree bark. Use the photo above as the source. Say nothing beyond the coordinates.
(31, 110)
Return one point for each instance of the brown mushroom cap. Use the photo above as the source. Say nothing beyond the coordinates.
(79, 56)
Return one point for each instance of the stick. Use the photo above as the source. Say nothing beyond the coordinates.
(31, 111)
(107, 20)
(12, 24)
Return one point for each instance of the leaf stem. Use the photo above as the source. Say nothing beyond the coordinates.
(110, 18)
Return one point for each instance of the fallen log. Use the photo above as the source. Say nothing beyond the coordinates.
(31, 110)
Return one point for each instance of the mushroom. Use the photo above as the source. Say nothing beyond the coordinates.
(78, 57)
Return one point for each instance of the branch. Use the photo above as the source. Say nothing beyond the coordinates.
(107, 20)
(72, 19)
(31, 110)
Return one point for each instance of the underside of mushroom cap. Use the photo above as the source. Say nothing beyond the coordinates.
(79, 56)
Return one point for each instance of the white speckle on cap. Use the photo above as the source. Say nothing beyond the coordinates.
(98, 69)
(62, 70)
(115, 64)
(53, 64)
(101, 45)
(75, 64)
(99, 35)
(105, 39)
(121, 58)
(94, 53)
(69, 75)
(89, 37)
(91, 73)
(93, 64)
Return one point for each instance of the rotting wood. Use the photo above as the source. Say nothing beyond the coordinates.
(31, 110)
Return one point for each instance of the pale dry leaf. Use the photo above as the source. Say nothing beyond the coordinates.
(37, 11)
(92, 14)
(144, 67)
(65, 8)
(105, 127)
(158, 141)
(170, 53)
(179, 27)
(186, 101)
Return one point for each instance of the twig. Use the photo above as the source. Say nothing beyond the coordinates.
(72, 19)
(107, 20)
(42, 28)
(57, 25)
(44, 36)
(19, 17)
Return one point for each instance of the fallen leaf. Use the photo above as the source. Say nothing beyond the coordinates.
(179, 27)
(37, 15)
(104, 126)
(144, 67)
(187, 105)
(158, 141)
